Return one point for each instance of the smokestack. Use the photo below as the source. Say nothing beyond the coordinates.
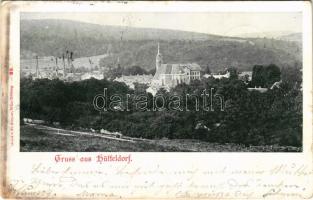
(63, 66)
(56, 65)
(158, 48)
(68, 59)
(71, 62)
(37, 67)
(90, 62)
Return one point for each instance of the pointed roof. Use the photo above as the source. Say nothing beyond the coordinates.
(159, 54)
(175, 69)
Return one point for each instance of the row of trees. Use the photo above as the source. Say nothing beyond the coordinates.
(262, 76)
(265, 76)
(273, 117)
(113, 71)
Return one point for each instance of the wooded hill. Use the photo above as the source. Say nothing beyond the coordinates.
(138, 46)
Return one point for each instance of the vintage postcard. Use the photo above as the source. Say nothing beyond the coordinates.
(142, 100)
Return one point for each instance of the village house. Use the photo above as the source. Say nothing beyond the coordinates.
(217, 76)
(259, 89)
(245, 76)
(131, 79)
(94, 74)
(51, 67)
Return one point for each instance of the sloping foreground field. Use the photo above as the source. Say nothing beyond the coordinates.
(36, 138)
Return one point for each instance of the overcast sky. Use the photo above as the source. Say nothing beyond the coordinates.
(228, 24)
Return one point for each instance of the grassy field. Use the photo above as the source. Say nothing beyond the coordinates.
(34, 139)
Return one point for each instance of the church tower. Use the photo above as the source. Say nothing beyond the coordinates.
(158, 59)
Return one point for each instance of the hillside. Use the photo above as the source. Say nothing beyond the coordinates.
(137, 46)
(36, 138)
(297, 37)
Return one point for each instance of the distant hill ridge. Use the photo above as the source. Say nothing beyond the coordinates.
(297, 37)
(113, 32)
(137, 46)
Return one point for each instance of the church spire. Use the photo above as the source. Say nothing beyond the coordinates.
(158, 48)
(159, 59)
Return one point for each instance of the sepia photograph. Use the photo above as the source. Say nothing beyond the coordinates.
(156, 100)
(161, 82)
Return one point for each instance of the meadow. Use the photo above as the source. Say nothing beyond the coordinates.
(40, 140)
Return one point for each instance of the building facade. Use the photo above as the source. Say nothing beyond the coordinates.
(170, 75)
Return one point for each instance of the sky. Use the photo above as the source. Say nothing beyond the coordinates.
(227, 24)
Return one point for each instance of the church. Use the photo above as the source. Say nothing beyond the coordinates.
(170, 75)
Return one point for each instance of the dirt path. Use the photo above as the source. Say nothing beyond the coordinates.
(65, 132)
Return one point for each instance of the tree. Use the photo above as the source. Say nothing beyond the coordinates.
(152, 71)
(265, 76)
(258, 76)
(272, 74)
(207, 70)
(233, 73)
(291, 76)
(134, 70)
